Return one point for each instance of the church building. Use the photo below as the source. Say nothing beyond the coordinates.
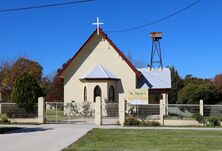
(99, 68)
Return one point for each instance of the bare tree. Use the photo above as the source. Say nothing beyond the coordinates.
(138, 63)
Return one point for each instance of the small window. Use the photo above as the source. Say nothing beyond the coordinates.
(85, 94)
(97, 92)
(111, 94)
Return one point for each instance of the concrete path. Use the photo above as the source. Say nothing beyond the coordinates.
(47, 137)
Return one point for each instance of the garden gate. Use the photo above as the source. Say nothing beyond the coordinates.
(110, 113)
(58, 112)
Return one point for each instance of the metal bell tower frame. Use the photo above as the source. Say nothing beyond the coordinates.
(156, 56)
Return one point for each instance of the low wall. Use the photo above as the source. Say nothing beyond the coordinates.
(181, 123)
(40, 119)
(25, 120)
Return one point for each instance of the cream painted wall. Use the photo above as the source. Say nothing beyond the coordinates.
(97, 52)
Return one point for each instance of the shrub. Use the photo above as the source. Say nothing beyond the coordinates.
(131, 121)
(87, 111)
(72, 109)
(4, 118)
(199, 118)
(154, 123)
(213, 121)
(149, 123)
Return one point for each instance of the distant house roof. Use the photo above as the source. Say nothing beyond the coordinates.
(155, 79)
(138, 74)
(99, 72)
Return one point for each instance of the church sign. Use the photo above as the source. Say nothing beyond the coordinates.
(138, 94)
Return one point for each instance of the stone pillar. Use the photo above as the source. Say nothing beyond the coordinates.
(41, 109)
(165, 103)
(98, 111)
(201, 107)
(161, 112)
(122, 109)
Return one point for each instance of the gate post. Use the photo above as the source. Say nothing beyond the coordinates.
(41, 109)
(201, 108)
(98, 111)
(161, 112)
(165, 103)
(122, 108)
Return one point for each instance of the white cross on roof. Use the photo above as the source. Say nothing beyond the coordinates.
(97, 24)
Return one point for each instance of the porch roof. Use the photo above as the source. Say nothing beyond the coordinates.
(99, 73)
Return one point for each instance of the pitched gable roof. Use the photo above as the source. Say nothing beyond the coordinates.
(155, 79)
(138, 74)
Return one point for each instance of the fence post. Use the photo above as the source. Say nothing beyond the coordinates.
(161, 112)
(122, 108)
(41, 109)
(98, 111)
(165, 103)
(0, 102)
(201, 108)
(56, 113)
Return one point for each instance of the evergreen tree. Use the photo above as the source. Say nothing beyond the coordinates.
(176, 84)
(25, 91)
(195, 89)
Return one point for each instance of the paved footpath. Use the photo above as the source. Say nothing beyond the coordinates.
(47, 137)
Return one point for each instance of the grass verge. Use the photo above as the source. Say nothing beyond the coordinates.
(148, 140)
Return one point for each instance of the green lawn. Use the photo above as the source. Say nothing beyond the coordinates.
(4, 130)
(51, 116)
(148, 140)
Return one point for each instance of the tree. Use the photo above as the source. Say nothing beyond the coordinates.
(138, 63)
(46, 85)
(196, 89)
(11, 70)
(56, 92)
(26, 91)
(5, 70)
(25, 65)
(176, 85)
(218, 82)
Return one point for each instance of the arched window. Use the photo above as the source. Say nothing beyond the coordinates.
(97, 92)
(85, 94)
(111, 94)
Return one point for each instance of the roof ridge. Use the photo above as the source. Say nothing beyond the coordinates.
(103, 69)
(138, 73)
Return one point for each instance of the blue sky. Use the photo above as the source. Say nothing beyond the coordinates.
(191, 40)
